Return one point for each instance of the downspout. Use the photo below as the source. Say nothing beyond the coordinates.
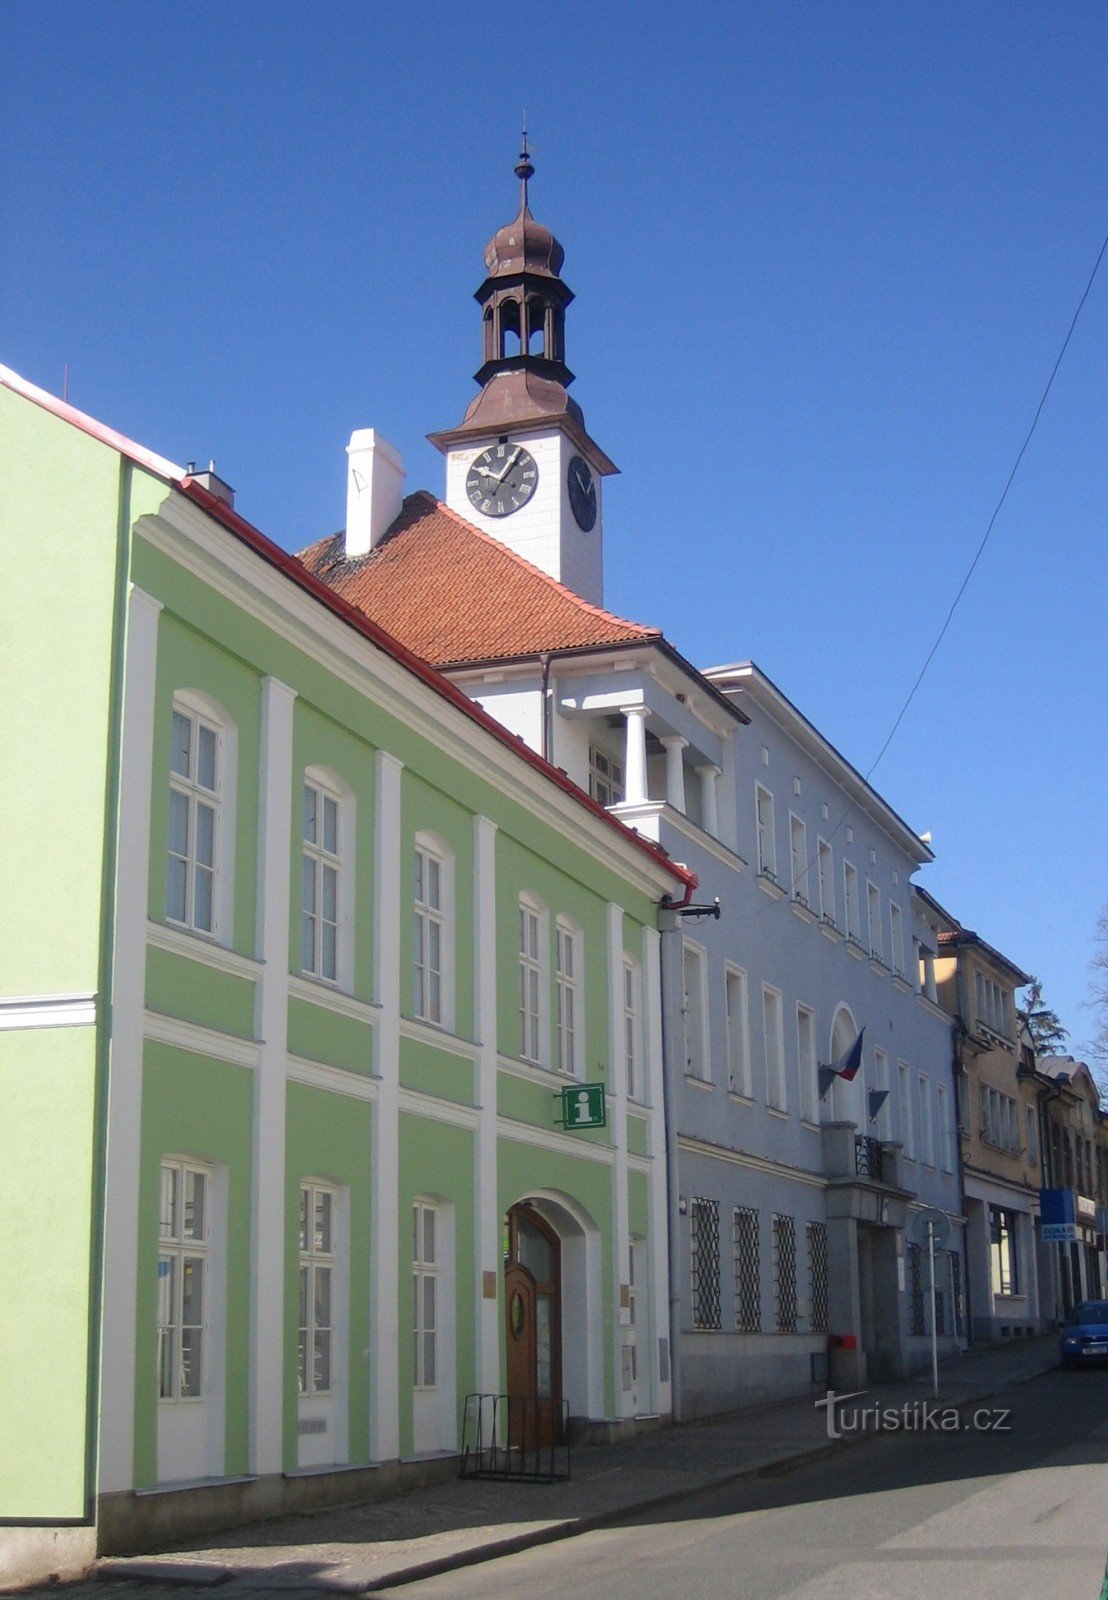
(959, 1034)
(672, 1181)
(1047, 1094)
(545, 659)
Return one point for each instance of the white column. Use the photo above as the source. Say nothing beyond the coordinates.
(709, 813)
(634, 766)
(117, 1409)
(617, 1122)
(675, 771)
(385, 1154)
(487, 1257)
(267, 1212)
(653, 1068)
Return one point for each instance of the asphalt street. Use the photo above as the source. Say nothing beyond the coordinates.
(920, 1516)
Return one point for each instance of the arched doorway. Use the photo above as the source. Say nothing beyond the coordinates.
(533, 1331)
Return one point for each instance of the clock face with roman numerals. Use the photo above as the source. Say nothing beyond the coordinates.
(501, 479)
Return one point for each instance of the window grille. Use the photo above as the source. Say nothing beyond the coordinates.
(916, 1323)
(704, 1263)
(956, 1284)
(784, 1274)
(940, 1313)
(748, 1294)
(817, 1275)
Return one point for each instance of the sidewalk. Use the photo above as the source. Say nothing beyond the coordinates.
(387, 1542)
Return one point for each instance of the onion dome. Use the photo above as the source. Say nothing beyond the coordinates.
(524, 245)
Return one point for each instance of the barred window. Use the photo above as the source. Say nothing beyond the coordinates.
(916, 1322)
(784, 1273)
(704, 1262)
(817, 1275)
(748, 1293)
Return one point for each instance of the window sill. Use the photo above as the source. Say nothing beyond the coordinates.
(739, 1098)
(698, 1083)
(769, 885)
(801, 909)
(901, 982)
(877, 965)
(853, 948)
(830, 931)
(203, 947)
(779, 1112)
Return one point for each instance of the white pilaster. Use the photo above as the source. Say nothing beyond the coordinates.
(617, 1122)
(384, 1273)
(486, 1201)
(117, 1394)
(709, 812)
(675, 771)
(659, 1198)
(267, 1231)
(634, 766)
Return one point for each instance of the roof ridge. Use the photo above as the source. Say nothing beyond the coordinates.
(529, 566)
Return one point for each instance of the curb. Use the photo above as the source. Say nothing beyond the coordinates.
(205, 1574)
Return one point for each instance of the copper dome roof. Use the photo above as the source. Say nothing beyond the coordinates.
(523, 246)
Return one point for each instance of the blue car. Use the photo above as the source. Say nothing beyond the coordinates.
(1085, 1334)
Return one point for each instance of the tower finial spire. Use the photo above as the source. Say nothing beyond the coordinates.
(524, 170)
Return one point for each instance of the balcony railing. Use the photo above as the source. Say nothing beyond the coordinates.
(515, 1437)
(868, 1157)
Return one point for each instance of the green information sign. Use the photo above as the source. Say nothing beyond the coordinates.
(584, 1106)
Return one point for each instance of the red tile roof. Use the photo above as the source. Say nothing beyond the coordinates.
(454, 594)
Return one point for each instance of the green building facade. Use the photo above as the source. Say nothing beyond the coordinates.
(300, 950)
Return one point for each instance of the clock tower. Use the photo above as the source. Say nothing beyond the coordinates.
(521, 465)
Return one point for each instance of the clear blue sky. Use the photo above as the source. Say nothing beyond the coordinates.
(824, 255)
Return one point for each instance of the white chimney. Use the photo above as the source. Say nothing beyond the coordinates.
(374, 490)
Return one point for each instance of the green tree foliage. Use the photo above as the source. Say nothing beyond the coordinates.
(1044, 1025)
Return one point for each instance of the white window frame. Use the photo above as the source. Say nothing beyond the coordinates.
(324, 860)
(426, 1296)
(428, 916)
(606, 784)
(765, 832)
(873, 916)
(896, 938)
(318, 1264)
(798, 859)
(826, 882)
(942, 1114)
(694, 1011)
(881, 1081)
(852, 927)
(201, 713)
(907, 1120)
(632, 998)
(773, 1035)
(569, 1023)
(807, 1059)
(179, 1252)
(926, 1120)
(533, 967)
(740, 1079)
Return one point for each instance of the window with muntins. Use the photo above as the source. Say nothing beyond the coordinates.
(876, 938)
(319, 905)
(184, 1241)
(767, 840)
(425, 1294)
(566, 982)
(605, 777)
(317, 1282)
(993, 1004)
(826, 882)
(738, 1034)
(530, 982)
(632, 1028)
(775, 1048)
(696, 1044)
(1002, 1250)
(926, 1121)
(907, 1122)
(807, 1063)
(896, 938)
(428, 936)
(798, 859)
(194, 807)
(850, 901)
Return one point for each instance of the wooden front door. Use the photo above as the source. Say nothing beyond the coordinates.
(532, 1301)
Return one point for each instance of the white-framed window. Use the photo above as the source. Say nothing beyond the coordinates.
(632, 1029)
(184, 1244)
(926, 1121)
(320, 887)
(532, 940)
(876, 935)
(826, 882)
(896, 938)
(1032, 1137)
(798, 859)
(317, 1289)
(196, 780)
(695, 1012)
(425, 1295)
(767, 838)
(1003, 1259)
(942, 1114)
(881, 1081)
(430, 933)
(567, 981)
(850, 901)
(807, 1062)
(907, 1121)
(605, 777)
(993, 1004)
(774, 1034)
(739, 1077)
(1000, 1122)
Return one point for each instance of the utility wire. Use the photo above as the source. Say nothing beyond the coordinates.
(992, 520)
